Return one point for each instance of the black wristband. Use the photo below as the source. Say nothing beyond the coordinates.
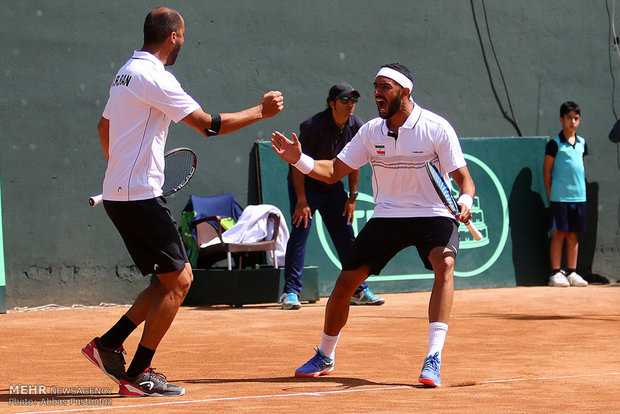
(353, 194)
(216, 123)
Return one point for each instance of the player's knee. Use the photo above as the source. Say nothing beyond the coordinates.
(184, 282)
(443, 267)
(177, 282)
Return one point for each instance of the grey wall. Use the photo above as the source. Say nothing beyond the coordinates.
(58, 59)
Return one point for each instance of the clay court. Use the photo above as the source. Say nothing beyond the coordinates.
(534, 349)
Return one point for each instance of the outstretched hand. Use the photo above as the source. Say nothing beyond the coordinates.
(271, 104)
(289, 151)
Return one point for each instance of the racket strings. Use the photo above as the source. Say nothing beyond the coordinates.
(179, 169)
(444, 191)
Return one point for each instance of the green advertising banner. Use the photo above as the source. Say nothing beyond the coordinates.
(509, 210)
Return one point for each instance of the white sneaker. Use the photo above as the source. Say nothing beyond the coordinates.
(559, 280)
(575, 280)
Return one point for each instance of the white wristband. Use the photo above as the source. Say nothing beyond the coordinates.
(305, 164)
(466, 199)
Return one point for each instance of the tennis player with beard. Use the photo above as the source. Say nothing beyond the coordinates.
(407, 212)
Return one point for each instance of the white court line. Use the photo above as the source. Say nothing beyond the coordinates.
(302, 394)
(546, 378)
(247, 397)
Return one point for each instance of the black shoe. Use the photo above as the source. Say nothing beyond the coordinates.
(149, 383)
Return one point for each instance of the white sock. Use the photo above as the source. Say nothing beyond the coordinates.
(436, 337)
(328, 345)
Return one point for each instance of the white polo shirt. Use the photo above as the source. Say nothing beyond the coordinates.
(144, 98)
(400, 183)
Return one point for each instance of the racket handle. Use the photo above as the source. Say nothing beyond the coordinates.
(473, 230)
(96, 199)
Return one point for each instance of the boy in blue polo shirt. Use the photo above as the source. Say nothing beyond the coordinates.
(565, 181)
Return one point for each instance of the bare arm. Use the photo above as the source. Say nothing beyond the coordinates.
(270, 105)
(466, 186)
(329, 171)
(547, 166)
(104, 136)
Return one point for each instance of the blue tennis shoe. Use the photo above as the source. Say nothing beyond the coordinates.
(318, 365)
(366, 297)
(430, 371)
(290, 301)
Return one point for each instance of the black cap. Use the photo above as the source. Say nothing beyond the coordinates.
(340, 90)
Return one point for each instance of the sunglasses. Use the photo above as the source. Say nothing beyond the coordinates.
(345, 100)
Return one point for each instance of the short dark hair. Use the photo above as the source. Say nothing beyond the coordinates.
(400, 68)
(159, 23)
(568, 106)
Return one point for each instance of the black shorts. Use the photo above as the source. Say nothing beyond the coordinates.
(569, 217)
(382, 238)
(150, 233)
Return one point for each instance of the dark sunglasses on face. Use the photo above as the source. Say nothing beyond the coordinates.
(345, 100)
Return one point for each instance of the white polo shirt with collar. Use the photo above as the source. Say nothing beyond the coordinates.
(144, 98)
(400, 183)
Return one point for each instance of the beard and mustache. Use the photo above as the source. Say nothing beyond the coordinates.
(392, 106)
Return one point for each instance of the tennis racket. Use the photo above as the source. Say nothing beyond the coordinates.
(445, 194)
(178, 170)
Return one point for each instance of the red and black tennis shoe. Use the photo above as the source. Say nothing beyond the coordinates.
(110, 361)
